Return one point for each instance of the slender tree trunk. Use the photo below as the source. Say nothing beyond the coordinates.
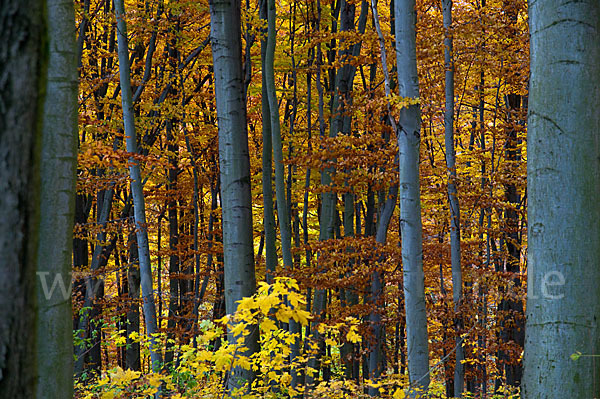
(80, 263)
(267, 165)
(459, 370)
(342, 122)
(300, 377)
(136, 183)
(88, 356)
(410, 202)
(510, 310)
(282, 207)
(514, 324)
(234, 164)
(174, 272)
(375, 365)
(132, 352)
(95, 284)
(376, 359)
(563, 294)
(328, 200)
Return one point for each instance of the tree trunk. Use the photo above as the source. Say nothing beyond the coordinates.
(132, 352)
(36, 202)
(376, 359)
(234, 164)
(267, 167)
(57, 177)
(136, 183)
(277, 146)
(410, 203)
(174, 272)
(459, 370)
(563, 298)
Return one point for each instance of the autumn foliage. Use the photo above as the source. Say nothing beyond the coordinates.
(171, 64)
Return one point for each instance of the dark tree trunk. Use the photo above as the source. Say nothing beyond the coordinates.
(132, 354)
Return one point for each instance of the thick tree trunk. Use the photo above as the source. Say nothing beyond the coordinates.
(410, 203)
(57, 177)
(563, 298)
(234, 165)
(137, 194)
(37, 189)
(20, 71)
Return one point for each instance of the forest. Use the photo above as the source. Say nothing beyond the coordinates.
(299, 199)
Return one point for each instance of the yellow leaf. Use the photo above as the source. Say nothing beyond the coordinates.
(103, 381)
(399, 394)
(149, 391)
(246, 303)
(286, 379)
(209, 336)
(373, 384)
(302, 316)
(154, 379)
(352, 336)
(284, 314)
(321, 328)
(239, 328)
(204, 356)
(268, 325)
(243, 362)
(266, 303)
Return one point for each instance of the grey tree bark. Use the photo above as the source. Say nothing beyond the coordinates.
(234, 161)
(277, 147)
(267, 164)
(57, 209)
(21, 76)
(409, 137)
(563, 298)
(37, 186)
(459, 369)
(137, 193)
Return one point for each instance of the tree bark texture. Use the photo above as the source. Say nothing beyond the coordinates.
(234, 162)
(267, 165)
(57, 178)
(563, 298)
(22, 64)
(276, 142)
(409, 137)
